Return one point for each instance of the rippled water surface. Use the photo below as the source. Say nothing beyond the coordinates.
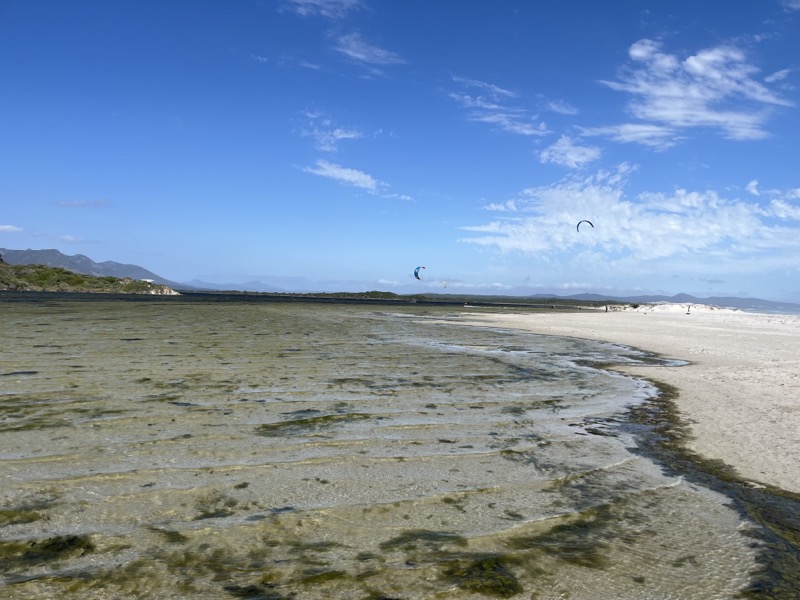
(154, 449)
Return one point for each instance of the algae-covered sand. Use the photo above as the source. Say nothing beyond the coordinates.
(237, 449)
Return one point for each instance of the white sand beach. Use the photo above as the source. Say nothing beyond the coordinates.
(740, 393)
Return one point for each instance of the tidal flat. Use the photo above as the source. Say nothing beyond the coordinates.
(185, 449)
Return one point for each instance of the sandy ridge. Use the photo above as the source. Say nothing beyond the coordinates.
(741, 391)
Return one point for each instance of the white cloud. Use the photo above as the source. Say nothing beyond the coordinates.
(332, 9)
(328, 139)
(507, 206)
(784, 210)
(326, 133)
(403, 197)
(566, 153)
(345, 175)
(778, 75)
(492, 89)
(491, 106)
(752, 187)
(707, 229)
(791, 4)
(713, 88)
(478, 104)
(292, 61)
(357, 48)
(562, 107)
(658, 137)
(511, 123)
(10, 229)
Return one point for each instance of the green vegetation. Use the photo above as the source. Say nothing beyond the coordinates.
(580, 541)
(311, 425)
(22, 554)
(488, 576)
(42, 278)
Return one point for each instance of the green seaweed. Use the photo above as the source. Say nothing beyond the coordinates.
(170, 536)
(577, 541)
(16, 554)
(308, 425)
(215, 505)
(487, 575)
(318, 576)
(254, 592)
(18, 516)
(777, 511)
(409, 539)
(29, 511)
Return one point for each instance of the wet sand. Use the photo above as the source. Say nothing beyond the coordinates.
(739, 392)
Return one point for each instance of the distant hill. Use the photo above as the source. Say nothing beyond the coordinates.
(79, 263)
(43, 278)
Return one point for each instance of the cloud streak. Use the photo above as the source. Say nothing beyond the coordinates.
(345, 175)
(356, 48)
(331, 9)
(488, 103)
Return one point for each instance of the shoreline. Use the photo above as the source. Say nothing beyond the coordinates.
(737, 394)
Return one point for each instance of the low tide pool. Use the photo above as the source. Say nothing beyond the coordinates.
(155, 449)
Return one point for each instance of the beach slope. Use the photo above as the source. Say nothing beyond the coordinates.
(739, 392)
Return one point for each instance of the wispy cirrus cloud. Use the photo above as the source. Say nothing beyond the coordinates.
(489, 88)
(567, 153)
(356, 48)
(561, 107)
(778, 75)
(345, 175)
(10, 229)
(715, 88)
(656, 136)
(332, 9)
(326, 133)
(492, 104)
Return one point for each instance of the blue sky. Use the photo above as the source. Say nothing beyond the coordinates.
(338, 144)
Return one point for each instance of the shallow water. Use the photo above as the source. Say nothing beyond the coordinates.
(181, 449)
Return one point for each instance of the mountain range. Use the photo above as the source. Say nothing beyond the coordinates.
(79, 263)
(83, 264)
